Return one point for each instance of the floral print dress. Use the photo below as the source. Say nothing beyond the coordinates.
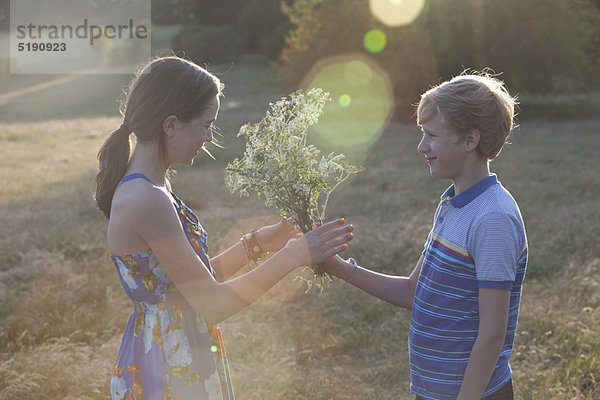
(168, 351)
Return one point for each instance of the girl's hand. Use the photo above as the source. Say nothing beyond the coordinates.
(274, 237)
(316, 246)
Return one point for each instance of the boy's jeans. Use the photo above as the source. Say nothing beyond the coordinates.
(505, 393)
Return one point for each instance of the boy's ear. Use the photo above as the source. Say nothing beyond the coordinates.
(169, 125)
(472, 139)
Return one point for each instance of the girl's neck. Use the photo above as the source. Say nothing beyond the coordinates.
(146, 160)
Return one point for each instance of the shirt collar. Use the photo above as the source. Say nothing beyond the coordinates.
(464, 198)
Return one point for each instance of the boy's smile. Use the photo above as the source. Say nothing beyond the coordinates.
(443, 149)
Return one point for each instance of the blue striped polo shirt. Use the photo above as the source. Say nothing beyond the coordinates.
(477, 241)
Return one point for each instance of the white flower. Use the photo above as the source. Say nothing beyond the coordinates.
(213, 387)
(279, 164)
(161, 291)
(126, 275)
(118, 387)
(177, 349)
(157, 270)
(147, 330)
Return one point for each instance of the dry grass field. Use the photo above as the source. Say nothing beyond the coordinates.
(62, 310)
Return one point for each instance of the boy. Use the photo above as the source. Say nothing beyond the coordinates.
(465, 289)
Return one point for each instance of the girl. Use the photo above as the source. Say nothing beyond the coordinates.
(172, 346)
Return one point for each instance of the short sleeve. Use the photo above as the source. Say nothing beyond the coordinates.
(496, 244)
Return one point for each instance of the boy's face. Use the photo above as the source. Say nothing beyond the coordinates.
(444, 149)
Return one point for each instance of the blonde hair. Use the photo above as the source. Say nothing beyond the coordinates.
(473, 101)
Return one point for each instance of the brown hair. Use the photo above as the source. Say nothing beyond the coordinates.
(473, 101)
(164, 86)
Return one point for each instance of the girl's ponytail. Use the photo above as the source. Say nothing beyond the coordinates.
(113, 159)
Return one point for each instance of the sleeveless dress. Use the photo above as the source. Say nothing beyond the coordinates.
(168, 351)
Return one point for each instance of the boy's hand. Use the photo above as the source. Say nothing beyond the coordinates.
(337, 266)
(321, 243)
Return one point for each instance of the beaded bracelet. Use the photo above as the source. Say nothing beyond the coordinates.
(251, 248)
(244, 251)
(350, 275)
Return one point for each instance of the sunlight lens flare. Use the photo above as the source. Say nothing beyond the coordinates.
(361, 106)
(375, 41)
(396, 12)
(344, 100)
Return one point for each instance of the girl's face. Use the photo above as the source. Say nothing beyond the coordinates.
(443, 148)
(188, 138)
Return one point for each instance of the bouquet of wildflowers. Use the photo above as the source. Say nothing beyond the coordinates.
(293, 176)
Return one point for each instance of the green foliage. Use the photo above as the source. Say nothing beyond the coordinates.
(540, 45)
(208, 44)
(214, 12)
(272, 43)
(296, 10)
(166, 12)
(248, 23)
(278, 163)
(259, 19)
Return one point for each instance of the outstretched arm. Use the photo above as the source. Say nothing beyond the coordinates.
(396, 290)
(159, 226)
(271, 238)
(228, 262)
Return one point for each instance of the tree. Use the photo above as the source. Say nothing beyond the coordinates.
(540, 45)
(259, 19)
(259, 25)
(166, 12)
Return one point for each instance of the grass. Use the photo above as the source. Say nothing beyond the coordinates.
(62, 310)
